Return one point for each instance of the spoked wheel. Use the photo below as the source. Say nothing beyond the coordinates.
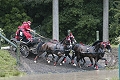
(24, 50)
(12, 48)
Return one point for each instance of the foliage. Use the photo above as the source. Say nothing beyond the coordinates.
(12, 15)
(82, 17)
(8, 65)
(79, 20)
(114, 20)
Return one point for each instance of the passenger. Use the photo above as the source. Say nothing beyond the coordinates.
(23, 32)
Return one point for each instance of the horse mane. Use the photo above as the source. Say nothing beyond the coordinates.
(96, 42)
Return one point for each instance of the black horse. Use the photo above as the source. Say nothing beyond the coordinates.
(96, 52)
(104, 47)
(51, 47)
(68, 49)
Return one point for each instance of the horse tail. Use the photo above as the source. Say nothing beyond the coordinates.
(39, 47)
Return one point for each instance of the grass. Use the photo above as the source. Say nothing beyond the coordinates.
(115, 46)
(8, 65)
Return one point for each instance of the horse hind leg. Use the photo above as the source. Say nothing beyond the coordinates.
(64, 59)
(106, 62)
(46, 57)
(78, 59)
(83, 60)
(96, 65)
(91, 60)
(72, 59)
(53, 57)
(35, 59)
(57, 60)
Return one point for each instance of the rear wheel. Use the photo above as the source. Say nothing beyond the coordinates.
(24, 50)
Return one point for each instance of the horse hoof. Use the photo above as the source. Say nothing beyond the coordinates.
(96, 67)
(74, 64)
(35, 61)
(48, 61)
(60, 64)
(63, 62)
(90, 65)
(55, 64)
(105, 65)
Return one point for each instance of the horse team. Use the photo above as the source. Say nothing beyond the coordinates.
(79, 51)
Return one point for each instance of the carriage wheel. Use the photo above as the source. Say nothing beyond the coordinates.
(12, 48)
(24, 50)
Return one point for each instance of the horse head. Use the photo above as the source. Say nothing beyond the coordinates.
(106, 46)
(102, 46)
(65, 43)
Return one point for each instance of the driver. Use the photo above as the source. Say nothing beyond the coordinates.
(24, 32)
(70, 37)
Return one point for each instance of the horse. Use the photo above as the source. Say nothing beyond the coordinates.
(50, 47)
(104, 47)
(68, 50)
(96, 52)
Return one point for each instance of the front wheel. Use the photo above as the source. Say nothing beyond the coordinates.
(24, 50)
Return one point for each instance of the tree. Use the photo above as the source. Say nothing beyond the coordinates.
(12, 15)
(114, 24)
(82, 17)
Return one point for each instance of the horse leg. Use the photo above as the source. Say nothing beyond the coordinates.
(57, 60)
(72, 59)
(53, 57)
(96, 65)
(64, 59)
(82, 58)
(35, 59)
(78, 59)
(46, 57)
(106, 62)
(91, 60)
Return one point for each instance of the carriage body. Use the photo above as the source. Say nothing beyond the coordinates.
(26, 48)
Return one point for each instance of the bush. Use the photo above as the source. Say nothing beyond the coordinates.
(117, 40)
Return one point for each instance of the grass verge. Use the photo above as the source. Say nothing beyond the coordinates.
(8, 65)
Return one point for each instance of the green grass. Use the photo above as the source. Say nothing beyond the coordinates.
(8, 66)
(115, 46)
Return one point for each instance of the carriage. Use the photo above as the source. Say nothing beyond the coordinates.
(28, 47)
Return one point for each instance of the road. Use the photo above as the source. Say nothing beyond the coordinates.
(83, 75)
